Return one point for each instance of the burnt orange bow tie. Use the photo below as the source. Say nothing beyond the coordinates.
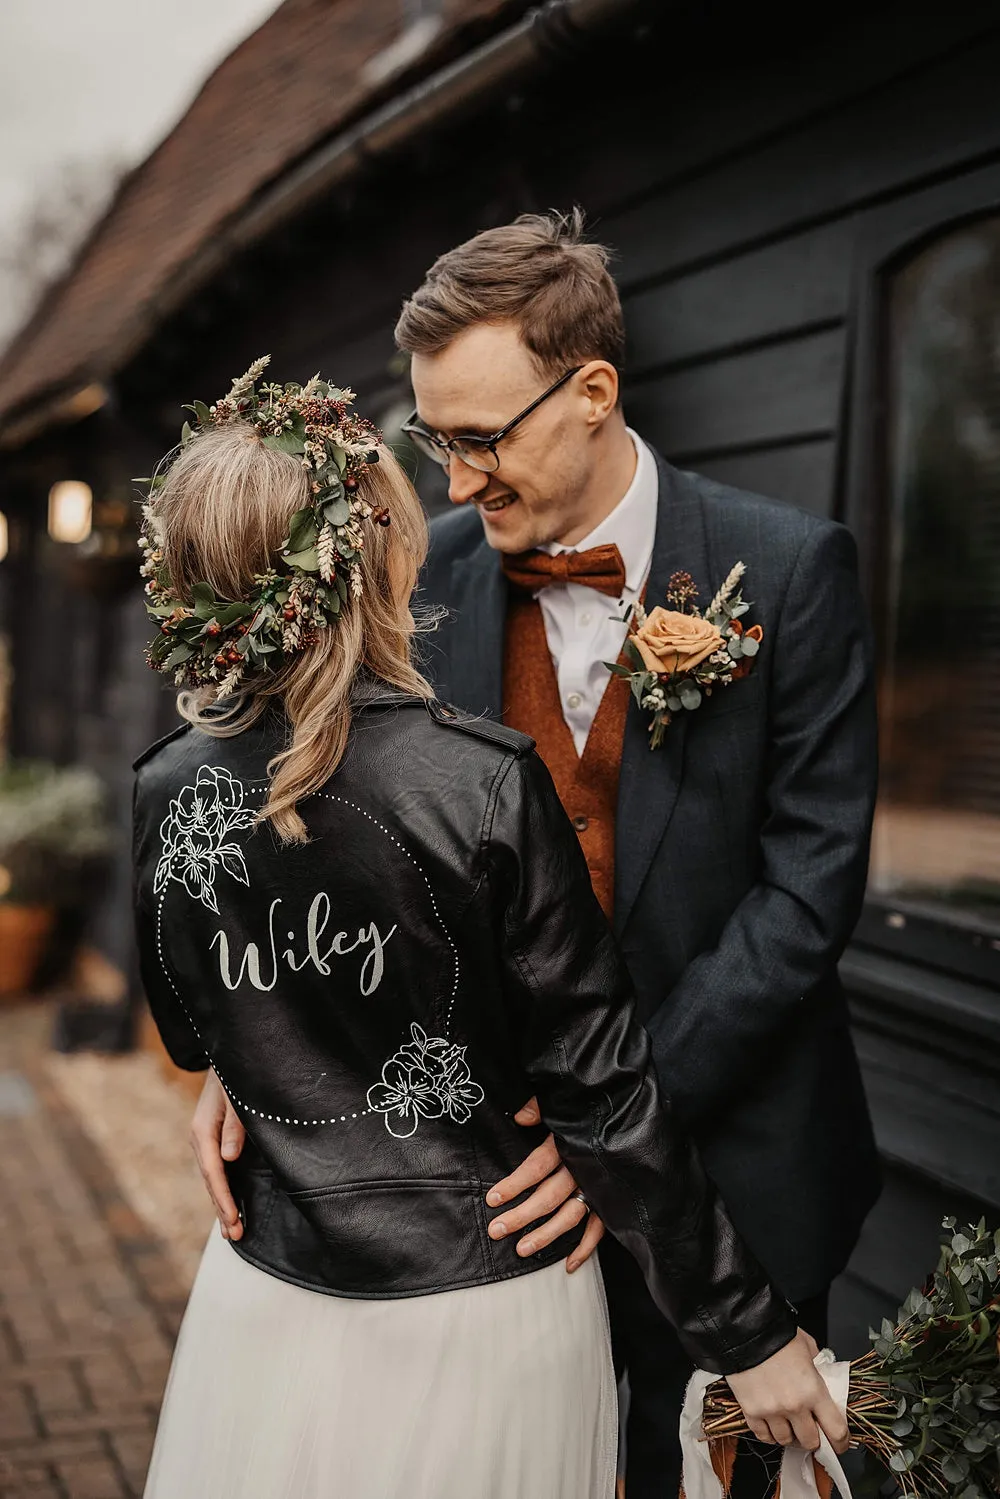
(599, 567)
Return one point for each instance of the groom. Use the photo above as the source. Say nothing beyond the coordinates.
(732, 859)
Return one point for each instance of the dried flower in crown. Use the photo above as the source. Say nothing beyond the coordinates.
(208, 641)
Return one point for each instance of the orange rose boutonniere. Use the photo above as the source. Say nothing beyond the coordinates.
(679, 655)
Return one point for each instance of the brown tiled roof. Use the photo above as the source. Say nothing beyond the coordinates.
(289, 86)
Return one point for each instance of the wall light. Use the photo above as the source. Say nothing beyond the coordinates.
(71, 505)
(4, 536)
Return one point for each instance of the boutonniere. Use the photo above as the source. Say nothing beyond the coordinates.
(679, 656)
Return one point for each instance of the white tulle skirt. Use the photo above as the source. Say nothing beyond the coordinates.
(502, 1391)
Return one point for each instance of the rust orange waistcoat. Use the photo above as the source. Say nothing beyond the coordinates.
(587, 784)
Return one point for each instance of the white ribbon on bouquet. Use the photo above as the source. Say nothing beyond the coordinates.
(798, 1477)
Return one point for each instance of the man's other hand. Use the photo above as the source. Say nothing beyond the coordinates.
(786, 1401)
(216, 1137)
(544, 1170)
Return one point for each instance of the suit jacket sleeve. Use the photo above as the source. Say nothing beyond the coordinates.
(589, 1061)
(179, 1036)
(788, 933)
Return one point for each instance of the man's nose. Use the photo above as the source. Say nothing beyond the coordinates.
(464, 481)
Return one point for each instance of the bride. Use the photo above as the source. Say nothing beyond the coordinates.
(369, 916)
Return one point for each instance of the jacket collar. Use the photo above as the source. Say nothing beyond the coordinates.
(479, 600)
(650, 779)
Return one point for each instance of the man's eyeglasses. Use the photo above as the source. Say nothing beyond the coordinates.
(477, 452)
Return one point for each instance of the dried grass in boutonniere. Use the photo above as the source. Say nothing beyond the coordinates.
(680, 656)
(925, 1400)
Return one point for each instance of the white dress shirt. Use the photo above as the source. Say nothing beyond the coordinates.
(585, 628)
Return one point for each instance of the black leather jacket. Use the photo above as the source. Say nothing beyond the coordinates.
(379, 1001)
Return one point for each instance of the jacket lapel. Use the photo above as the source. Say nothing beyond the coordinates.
(651, 779)
(479, 602)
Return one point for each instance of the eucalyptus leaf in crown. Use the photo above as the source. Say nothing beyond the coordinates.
(210, 641)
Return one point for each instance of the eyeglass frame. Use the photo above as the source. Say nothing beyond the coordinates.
(414, 428)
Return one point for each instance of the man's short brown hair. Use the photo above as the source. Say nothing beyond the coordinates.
(537, 273)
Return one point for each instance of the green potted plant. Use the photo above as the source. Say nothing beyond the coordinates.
(54, 836)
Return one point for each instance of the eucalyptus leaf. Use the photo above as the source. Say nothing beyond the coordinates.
(233, 612)
(203, 596)
(307, 560)
(179, 655)
(750, 645)
(285, 442)
(689, 695)
(735, 647)
(302, 530)
(186, 433)
(338, 454)
(338, 512)
(617, 670)
(903, 1427)
(341, 585)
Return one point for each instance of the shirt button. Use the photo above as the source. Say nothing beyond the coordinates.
(581, 824)
(586, 618)
(574, 700)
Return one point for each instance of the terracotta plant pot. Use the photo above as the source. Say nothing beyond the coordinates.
(24, 932)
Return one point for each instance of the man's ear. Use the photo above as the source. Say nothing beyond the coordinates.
(600, 381)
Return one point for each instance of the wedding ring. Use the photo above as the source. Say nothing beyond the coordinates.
(580, 1198)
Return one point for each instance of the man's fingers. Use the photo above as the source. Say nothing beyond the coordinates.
(530, 1114)
(805, 1431)
(781, 1431)
(833, 1421)
(569, 1216)
(233, 1134)
(213, 1173)
(761, 1431)
(542, 1161)
(550, 1195)
(593, 1234)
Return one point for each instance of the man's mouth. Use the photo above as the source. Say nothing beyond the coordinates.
(496, 503)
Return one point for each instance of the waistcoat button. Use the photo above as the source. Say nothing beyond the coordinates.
(581, 824)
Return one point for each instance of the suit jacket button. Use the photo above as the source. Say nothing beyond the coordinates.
(581, 824)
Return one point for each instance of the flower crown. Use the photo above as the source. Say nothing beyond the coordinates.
(220, 642)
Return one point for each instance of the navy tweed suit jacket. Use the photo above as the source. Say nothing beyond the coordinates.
(741, 857)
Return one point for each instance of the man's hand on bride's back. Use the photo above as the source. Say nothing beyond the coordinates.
(217, 1137)
(555, 1194)
(786, 1401)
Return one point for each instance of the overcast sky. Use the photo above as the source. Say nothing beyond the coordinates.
(88, 81)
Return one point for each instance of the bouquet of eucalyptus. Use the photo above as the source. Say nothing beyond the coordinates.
(925, 1400)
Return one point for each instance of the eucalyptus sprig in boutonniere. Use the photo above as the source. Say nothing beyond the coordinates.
(679, 656)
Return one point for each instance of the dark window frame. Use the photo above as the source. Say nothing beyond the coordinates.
(888, 238)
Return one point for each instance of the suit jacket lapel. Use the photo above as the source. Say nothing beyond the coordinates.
(479, 601)
(651, 779)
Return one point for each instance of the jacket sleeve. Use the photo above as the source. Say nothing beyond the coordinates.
(177, 1031)
(788, 933)
(589, 1061)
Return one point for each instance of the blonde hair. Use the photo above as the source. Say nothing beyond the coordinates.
(538, 273)
(224, 510)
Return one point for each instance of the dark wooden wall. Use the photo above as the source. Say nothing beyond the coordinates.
(750, 166)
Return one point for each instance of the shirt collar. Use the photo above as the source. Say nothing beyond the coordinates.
(631, 526)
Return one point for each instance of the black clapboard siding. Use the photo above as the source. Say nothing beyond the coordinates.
(799, 282)
(703, 87)
(789, 391)
(800, 474)
(931, 122)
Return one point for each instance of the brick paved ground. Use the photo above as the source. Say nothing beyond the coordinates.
(89, 1299)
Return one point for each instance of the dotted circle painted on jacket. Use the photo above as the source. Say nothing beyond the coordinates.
(469, 1089)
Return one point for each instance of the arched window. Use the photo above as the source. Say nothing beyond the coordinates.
(937, 835)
